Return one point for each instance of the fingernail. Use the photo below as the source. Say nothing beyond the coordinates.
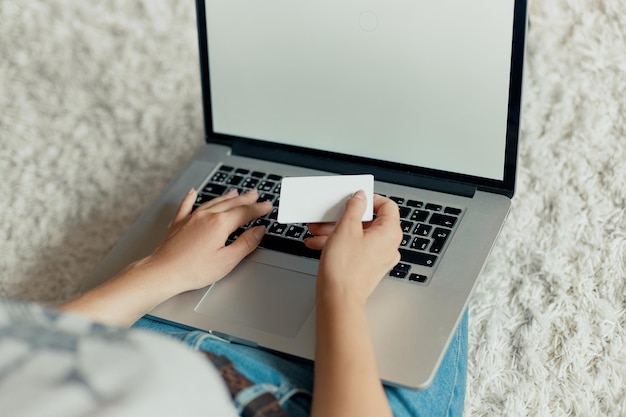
(359, 194)
(191, 190)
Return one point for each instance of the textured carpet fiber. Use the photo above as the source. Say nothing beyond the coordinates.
(100, 105)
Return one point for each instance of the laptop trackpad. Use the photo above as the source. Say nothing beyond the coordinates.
(262, 297)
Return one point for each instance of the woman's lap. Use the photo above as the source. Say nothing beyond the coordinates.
(291, 379)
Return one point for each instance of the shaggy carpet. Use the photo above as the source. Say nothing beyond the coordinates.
(100, 105)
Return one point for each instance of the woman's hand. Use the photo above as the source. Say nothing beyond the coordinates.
(355, 256)
(193, 253)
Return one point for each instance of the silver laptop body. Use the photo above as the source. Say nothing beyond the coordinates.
(424, 96)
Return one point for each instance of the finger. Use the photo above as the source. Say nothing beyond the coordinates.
(319, 229)
(185, 206)
(226, 204)
(315, 242)
(387, 221)
(244, 245)
(379, 200)
(350, 220)
(230, 194)
(242, 214)
(386, 211)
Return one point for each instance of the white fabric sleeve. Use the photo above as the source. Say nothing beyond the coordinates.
(54, 364)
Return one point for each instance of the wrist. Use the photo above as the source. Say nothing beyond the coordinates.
(333, 295)
(133, 292)
(156, 282)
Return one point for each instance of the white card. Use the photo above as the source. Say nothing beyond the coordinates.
(323, 198)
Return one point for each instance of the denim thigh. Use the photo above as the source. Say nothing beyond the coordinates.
(290, 379)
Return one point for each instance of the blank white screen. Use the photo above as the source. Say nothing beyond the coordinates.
(423, 83)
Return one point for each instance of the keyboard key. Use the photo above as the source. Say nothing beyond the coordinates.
(414, 203)
(294, 247)
(442, 220)
(273, 214)
(422, 229)
(417, 258)
(250, 182)
(406, 226)
(242, 171)
(437, 245)
(403, 267)
(400, 270)
(266, 197)
(441, 233)
(419, 215)
(234, 180)
(277, 229)
(433, 207)
(440, 236)
(420, 243)
(398, 200)
(219, 176)
(266, 186)
(405, 240)
(213, 189)
(273, 177)
(418, 278)
(257, 174)
(397, 274)
(261, 222)
(226, 168)
(404, 212)
(295, 232)
(452, 210)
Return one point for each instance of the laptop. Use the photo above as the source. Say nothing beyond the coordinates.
(423, 95)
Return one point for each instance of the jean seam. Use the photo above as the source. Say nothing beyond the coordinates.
(196, 338)
(251, 393)
(290, 393)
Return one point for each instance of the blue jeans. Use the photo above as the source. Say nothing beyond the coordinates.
(291, 379)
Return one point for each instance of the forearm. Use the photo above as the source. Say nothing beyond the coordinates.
(124, 299)
(346, 376)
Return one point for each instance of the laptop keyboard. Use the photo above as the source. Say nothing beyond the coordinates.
(426, 226)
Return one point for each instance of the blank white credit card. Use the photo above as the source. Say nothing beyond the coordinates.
(323, 198)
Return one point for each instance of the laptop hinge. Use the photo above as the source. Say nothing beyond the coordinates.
(315, 160)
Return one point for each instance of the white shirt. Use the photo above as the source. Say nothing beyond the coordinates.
(54, 364)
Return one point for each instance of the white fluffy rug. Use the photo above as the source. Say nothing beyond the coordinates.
(100, 105)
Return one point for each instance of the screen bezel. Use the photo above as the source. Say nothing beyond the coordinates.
(383, 170)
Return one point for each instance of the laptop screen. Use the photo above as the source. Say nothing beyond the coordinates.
(421, 83)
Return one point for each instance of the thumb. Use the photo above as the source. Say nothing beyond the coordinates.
(244, 244)
(350, 219)
(185, 206)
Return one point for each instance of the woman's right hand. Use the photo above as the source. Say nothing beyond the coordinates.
(356, 255)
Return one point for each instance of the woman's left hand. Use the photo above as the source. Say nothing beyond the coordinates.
(193, 253)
